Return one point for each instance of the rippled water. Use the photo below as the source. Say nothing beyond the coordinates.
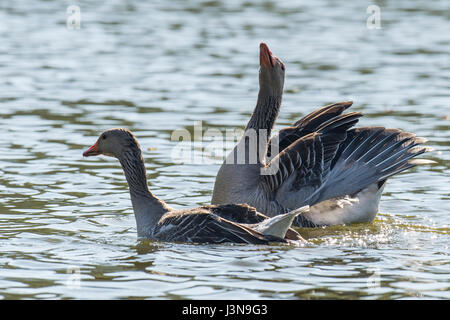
(67, 229)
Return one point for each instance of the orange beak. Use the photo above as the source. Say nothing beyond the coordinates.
(92, 151)
(265, 56)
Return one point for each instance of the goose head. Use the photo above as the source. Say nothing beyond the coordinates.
(271, 72)
(113, 143)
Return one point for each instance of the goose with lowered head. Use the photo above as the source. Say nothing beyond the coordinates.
(207, 224)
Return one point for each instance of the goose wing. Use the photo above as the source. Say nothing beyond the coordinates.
(243, 213)
(295, 174)
(315, 121)
(318, 167)
(239, 213)
(369, 155)
(201, 225)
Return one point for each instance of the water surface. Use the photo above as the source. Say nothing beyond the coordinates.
(67, 229)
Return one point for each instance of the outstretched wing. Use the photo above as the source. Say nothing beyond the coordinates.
(201, 226)
(293, 176)
(316, 168)
(313, 122)
(369, 155)
(296, 173)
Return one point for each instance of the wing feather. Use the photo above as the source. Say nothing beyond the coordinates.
(200, 225)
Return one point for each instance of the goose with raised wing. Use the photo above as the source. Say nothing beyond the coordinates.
(207, 224)
(320, 161)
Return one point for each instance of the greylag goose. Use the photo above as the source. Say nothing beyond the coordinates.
(207, 224)
(319, 161)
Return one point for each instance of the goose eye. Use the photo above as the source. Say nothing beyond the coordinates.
(282, 67)
(104, 137)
